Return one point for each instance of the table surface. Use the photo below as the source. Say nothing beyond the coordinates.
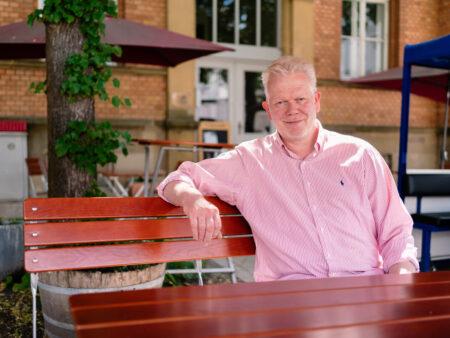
(385, 306)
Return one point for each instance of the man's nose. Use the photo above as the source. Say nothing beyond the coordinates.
(292, 107)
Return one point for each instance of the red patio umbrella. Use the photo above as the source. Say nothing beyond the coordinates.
(140, 43)
(428, 82)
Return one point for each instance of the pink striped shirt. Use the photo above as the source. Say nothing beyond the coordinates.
(335, 213)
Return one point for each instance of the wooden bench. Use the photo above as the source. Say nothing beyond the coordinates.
(90, 233)
(432, 183)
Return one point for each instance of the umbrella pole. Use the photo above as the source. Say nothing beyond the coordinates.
(444, 155)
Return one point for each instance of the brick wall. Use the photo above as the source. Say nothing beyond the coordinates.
(147, 93)
(15, 98)
(327, 38)
(145, 88)
(151, 12)
(344, 105)
(419, 21)
(15, 10)
(377, 108)
(444, 17)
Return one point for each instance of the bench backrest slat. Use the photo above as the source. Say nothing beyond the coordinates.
(84, 233)
(124, 230)
(107, 207)
(90, 257)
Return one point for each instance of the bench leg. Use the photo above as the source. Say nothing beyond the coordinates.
(233, 270)
(34, 283)
(425, 261)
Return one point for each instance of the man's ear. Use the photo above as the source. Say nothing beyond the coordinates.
(317, 101)
(265, 106)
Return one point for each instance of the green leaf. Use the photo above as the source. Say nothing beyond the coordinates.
(116, 83)
(127, 102)
(61, 148)
(116, 101)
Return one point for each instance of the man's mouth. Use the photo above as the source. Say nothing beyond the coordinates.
(293, 122)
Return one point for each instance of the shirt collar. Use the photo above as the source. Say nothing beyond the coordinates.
(318, 146)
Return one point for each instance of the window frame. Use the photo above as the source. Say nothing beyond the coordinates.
(362, 39)
(244, 50)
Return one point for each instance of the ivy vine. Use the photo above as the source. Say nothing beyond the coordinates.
(85, 73)
(85, 76)
(90, 144)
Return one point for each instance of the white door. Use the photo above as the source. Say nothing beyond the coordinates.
(232, 91)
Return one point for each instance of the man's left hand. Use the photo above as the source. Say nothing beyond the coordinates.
(402, 268)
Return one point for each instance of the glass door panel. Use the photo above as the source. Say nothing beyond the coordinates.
(212, 94)
(256, 119)
(251, 119)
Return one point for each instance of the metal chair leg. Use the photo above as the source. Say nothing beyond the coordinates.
(233, 270)
(425, 261)
(34, 283)
(198, 267)
(155, 173)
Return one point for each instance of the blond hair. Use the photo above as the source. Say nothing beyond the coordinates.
(289, 65)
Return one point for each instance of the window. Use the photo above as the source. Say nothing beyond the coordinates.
(239, 22)
(364, 37)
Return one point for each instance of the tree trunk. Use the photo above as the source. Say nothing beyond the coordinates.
(64, 179)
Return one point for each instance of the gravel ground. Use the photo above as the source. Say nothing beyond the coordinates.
(15, 313)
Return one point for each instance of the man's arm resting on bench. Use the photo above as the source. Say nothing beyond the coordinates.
(203, 215)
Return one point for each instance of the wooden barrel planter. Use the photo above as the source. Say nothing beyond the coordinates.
(55, 288)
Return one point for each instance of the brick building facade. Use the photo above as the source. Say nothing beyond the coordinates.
(164, 100)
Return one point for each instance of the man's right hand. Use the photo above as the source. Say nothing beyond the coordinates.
(203, 215)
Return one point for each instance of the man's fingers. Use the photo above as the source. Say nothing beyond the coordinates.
(217, 227)
(201, 228)
(194, 227)
(209, 229)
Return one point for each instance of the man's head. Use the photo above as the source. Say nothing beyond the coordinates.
(292, 100)
(288, 65)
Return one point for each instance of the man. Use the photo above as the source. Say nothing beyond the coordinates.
(319, 203)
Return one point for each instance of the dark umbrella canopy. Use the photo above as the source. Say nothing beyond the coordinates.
(428, 82)
(140, 43)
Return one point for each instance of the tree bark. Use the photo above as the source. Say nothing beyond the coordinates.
(64, 179)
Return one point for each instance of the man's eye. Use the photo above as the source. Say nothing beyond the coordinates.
(280, 103)
(300, 99)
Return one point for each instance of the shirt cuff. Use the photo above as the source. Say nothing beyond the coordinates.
(174, 176)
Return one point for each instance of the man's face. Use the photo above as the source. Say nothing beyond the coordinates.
(292, 106)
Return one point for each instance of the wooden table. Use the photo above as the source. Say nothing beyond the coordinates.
(166, 145)
(385, 306)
